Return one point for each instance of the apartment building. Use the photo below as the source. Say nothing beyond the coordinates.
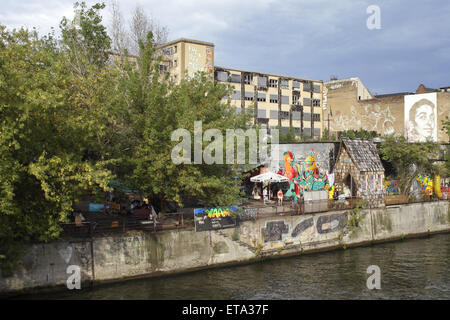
(277, 100)
(184, 57)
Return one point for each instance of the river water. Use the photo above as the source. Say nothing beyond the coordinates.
(410, 269)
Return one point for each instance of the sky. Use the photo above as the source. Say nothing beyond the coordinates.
(299, 38)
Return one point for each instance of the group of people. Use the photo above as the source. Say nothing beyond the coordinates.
(267, 194)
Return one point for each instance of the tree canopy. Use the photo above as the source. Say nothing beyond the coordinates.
(72, 120)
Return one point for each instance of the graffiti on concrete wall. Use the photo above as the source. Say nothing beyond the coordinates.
(302, 227)
(274, 230)
(331, 223)
(214, 218)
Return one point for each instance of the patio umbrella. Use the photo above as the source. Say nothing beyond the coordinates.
(270, 177)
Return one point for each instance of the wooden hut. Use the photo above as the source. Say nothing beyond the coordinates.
(359, 168)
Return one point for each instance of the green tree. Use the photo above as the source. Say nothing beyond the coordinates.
(409, 159)
(156, 107)
(47, 126)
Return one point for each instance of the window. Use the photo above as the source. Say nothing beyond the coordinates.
(274, 98)
(284, 84)
(316, 88)
(295, 84)
(316, 102)
(175, 62)
(175, 49)
(307, 86)
(284, 114)
(295, 99)
(273, 83)
(262, 81)
(248, 96)
(236, 78)
(306, 101)
(284, 99)
(261, 97)
(221, 76)
(248, 78)
(316, 117)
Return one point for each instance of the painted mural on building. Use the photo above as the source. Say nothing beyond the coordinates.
(421, 117)
(303, 176)
(372, 117)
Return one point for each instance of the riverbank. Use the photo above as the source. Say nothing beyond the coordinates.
(140, 254)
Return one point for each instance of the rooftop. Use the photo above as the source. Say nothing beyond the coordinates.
(186, 40)
(364, 154)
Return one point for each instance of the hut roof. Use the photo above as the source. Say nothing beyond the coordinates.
(364, 154)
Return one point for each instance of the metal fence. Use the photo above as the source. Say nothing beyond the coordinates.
(117, 224)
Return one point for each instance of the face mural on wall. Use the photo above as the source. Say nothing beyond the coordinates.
(421, 117)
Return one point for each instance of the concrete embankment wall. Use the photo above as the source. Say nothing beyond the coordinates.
(149, 254)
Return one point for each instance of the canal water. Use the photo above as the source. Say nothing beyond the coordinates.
(410, 269)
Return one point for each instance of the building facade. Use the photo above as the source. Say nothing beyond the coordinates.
(416, 115)
(277, 101)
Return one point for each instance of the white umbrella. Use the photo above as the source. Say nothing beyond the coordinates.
(269, 177)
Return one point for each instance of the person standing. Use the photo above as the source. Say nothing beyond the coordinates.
(280, 197)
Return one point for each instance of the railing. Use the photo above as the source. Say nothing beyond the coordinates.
(121, 224)
(116, 224)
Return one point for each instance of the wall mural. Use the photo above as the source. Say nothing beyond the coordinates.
(372, 117)
(421, 117)
(304, 176)
(214, 218)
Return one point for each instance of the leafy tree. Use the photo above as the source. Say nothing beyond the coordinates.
(408, 159)
(48, 122)
(155, 108)
(85, 37)
(288, 137)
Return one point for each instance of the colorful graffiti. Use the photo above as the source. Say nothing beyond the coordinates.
(305, 177)
(391, 186)
(214, 218)
(426, 185)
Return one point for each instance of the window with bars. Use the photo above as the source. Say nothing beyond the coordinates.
(261, 97)
(248, 78)
(248, 96)
(273, 83)
(273, 98)
(316, 102)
